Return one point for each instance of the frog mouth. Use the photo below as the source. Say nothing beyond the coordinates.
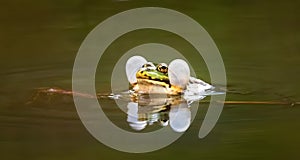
(153, 82)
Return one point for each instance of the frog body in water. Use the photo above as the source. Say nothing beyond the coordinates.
(173, 79)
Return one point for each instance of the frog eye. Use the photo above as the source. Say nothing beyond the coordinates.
(148, 65)
(162, 67)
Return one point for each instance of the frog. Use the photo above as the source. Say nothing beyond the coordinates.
(146, 77)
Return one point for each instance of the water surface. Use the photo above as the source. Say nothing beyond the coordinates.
(259, 43)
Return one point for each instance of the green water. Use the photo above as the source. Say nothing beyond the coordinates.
(259, 43)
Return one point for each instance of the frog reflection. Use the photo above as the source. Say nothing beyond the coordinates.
(147, 110)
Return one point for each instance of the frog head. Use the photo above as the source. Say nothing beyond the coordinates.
(147, 77)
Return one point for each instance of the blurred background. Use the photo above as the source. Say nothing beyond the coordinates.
(258, 40)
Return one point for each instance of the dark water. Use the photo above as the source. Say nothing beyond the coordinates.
(259, 43)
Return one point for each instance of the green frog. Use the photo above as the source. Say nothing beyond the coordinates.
(173, 79)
